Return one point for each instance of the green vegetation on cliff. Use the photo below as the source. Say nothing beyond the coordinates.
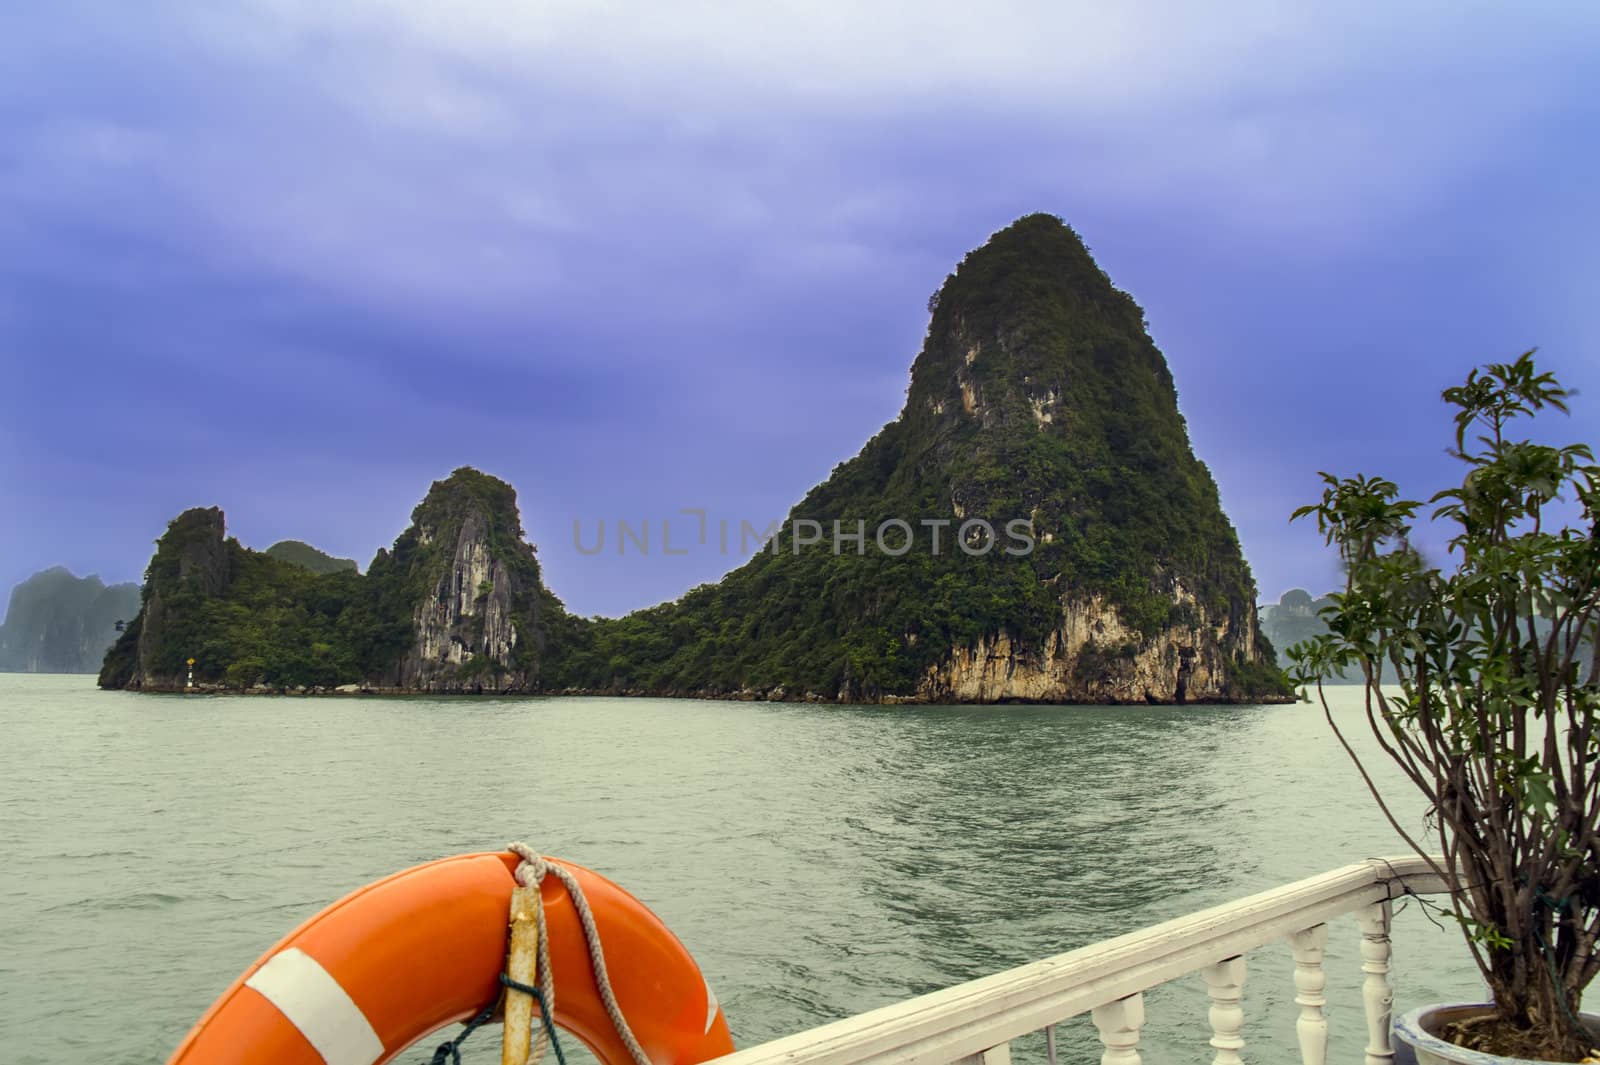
(244, 616)
(307, 557)
(252, 618)
(1038, 396)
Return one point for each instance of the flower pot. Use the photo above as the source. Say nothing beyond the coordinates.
(1416, 1041)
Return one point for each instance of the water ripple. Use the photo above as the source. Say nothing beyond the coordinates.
(818, 861)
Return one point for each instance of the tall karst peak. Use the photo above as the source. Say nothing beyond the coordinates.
(1026, 327)
(1038, 398)
(468, 489)
(468, 582)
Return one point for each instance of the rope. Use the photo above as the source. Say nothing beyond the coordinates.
(531, 873)
(547, 1030)
(450, 1053)
(1547, 951)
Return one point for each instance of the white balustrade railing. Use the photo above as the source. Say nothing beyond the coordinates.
(973, 1023)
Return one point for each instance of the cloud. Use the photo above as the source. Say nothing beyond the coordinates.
(1095, 59)
(486, 156)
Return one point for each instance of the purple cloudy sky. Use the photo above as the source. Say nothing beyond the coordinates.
(298, 258)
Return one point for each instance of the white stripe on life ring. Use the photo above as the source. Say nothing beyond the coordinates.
(314, 1002)
(711, 1004)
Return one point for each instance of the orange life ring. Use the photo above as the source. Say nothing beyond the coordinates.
(404, 956)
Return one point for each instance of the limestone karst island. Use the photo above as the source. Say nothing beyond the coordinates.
(1085, 556)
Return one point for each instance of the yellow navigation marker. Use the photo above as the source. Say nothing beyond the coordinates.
(191, 661)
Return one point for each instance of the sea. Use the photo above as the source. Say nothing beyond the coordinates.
(818, 861)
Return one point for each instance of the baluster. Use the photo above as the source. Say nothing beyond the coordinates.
(1225, 982)
(1000, 1055)
(1376, 990)
(1309, 981)
(1119, 1023)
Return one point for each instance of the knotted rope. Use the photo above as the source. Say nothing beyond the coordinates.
(450, 1053)
(530, 873)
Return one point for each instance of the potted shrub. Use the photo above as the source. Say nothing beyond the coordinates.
(1482, 682)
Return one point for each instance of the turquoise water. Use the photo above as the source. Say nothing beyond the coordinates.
(818, 861)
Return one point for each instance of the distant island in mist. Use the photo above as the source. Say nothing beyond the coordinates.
(1084, 558)
(59, 623)
(1294, 618)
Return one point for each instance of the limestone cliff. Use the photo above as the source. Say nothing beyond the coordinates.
(469, 584)
(1084, 557)
(455, 606)
(191, 566)
(1093, 657)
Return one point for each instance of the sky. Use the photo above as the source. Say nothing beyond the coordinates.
(300, 259)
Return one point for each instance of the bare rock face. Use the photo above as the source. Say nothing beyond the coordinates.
(472, 591)
(1093, 657)
(151, 629)
(465, 616)
(468, 610)
(200, 551)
